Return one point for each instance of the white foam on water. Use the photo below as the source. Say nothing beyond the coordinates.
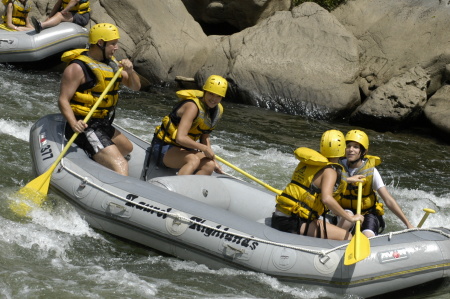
(16, 129)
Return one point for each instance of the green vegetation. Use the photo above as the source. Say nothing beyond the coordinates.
(327, 4)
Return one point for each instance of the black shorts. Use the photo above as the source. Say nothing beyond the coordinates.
(81, 20)
(96, 137)
(372, 222)
(290, 224)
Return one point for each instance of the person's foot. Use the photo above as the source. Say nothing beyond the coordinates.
(37, 25)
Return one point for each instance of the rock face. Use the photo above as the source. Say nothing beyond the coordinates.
(300, 62)
(369, 59)
(238, 13)
(395, 104)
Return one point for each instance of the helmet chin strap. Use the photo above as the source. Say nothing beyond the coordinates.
(103, 50)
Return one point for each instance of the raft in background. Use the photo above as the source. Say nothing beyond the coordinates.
(28, 46)
(221, 221)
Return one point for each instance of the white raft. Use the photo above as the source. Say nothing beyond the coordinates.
(221, 221)
(27, 46)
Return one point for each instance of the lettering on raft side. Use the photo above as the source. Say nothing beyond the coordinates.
(218, 232)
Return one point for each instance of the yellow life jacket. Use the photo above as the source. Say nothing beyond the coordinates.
(204, 123)
(369, 200)
(83, 100)
(81, 8)
(19, 13)
(300, 196)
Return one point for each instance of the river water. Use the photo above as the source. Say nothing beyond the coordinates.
(57, 255)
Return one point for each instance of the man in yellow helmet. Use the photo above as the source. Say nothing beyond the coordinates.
(182, 140)
(84, 79)
(315, 184)
(358, 163)
(76, 11)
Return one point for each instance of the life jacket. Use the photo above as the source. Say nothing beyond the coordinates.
(369, 200)
(205, 122)
(81, 8)
(83, 100)
(300, 197)
(19, 13)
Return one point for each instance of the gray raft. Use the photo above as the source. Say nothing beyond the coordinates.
(221, 221)
(27, 46)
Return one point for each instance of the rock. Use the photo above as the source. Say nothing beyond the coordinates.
(240, 14)
(437, 109)
(397, 35)
(301, 62)
(394, 104)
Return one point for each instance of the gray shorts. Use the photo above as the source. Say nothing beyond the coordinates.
(95, 138)
(81, 20)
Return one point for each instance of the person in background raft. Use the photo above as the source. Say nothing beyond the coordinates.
(362, 166)
(84, 79)
(76, 11)
(315, 184)
(16, 15)
(182, 140)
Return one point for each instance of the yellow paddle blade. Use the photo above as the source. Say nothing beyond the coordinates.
(359, 247)
(357, 250)
(34, 192)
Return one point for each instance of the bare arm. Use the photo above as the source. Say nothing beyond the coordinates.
(9, 11)
(326, 183)
(188, 112)
(69, 6)
(55, 8)
(129, 77)
(392, 204)
(72, 77)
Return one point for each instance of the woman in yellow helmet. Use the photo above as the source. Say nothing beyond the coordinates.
(16, 15)
(182, 141)
(76, 11)
(315, 184)
(357, 163)
(85, 78)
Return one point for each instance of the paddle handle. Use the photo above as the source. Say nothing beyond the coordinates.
(427, 212)
(248, 175)
(358, 223)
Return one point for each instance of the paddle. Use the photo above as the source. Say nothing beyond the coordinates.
(36, 190)
(248, 175)
(427, 212)
(359, 247)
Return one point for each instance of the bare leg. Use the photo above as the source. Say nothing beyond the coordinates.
(56, 19)
(112, 158)
(113, 155)
(333, 232)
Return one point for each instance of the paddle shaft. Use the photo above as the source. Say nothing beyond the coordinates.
(49, 172)
(427, 212)
(248, 175)
(358, 223)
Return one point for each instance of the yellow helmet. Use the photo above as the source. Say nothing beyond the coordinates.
(358, 136)
(217, 85)
(332, 144)
(104, 31)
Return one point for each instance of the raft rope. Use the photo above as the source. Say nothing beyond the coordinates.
(322, 253)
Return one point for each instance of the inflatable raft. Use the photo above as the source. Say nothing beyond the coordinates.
(221, 221)
(27, 46)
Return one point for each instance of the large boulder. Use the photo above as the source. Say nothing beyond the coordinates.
(166, 41)
(437, 109)
(300, 62)
(394, 104)
(238, 13)
(397, 35)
